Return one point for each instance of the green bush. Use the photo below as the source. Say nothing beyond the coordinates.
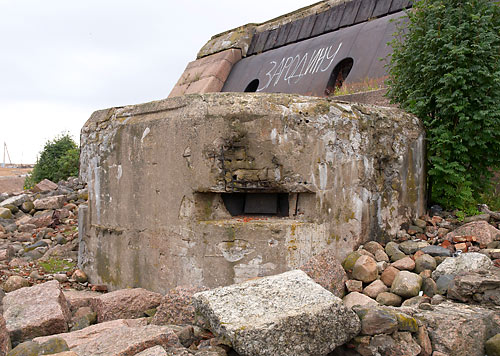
(58, 160)
(445, 68)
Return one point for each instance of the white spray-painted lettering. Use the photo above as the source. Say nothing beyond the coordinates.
(292, 69)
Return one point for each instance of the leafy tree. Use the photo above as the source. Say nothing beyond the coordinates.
(58, 160)
(445, 68)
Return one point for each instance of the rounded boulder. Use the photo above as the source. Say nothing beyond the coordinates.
(365, 269)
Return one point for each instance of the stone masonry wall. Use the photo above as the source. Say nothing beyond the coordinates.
(206, 75)
(156, 172)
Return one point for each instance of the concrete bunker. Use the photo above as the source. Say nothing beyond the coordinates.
(330, 174)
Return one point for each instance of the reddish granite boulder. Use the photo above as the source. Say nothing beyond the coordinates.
(327, 271)
(36, 311)
(124, 304)
(176, 306)
(481, 231)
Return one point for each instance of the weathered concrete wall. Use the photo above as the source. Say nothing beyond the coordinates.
(155, 172)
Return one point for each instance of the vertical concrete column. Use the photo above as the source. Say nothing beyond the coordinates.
(83, 220)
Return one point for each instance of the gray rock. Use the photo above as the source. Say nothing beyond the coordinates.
(410, 247)
(480, 286)
(429, 287)
(425, 262)
(434, 250)
(16, 200)
(466, 262)
(437, 299)
(36, 311)
(389, 299)
(268, 316)
(406, 284)
(443, 283)
(356, 298)
(393, 251)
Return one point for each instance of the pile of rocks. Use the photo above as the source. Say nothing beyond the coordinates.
(39, 234)
(403, 298)
(47, 319)
(414, 271)
(287, 314)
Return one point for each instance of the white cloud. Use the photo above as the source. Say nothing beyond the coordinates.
(61, 60)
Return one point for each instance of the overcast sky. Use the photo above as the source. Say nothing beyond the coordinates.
(60, 60)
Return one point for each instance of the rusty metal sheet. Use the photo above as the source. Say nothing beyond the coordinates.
(398, 5)
(382, 8)
(305, 67)
(294, 31)
(307, 27)
(283, 34)
(365, 11)
(350, 12)
(261, 42)
(320, 24)
(251, 48)
(335, 17)
(271, 40)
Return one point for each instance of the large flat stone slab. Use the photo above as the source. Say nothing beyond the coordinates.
(124, 304)
(129, 341)
(81, 337)
(36, 311)
(287, 314)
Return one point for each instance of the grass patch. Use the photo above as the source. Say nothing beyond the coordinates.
(368, 84)
(55, 265)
